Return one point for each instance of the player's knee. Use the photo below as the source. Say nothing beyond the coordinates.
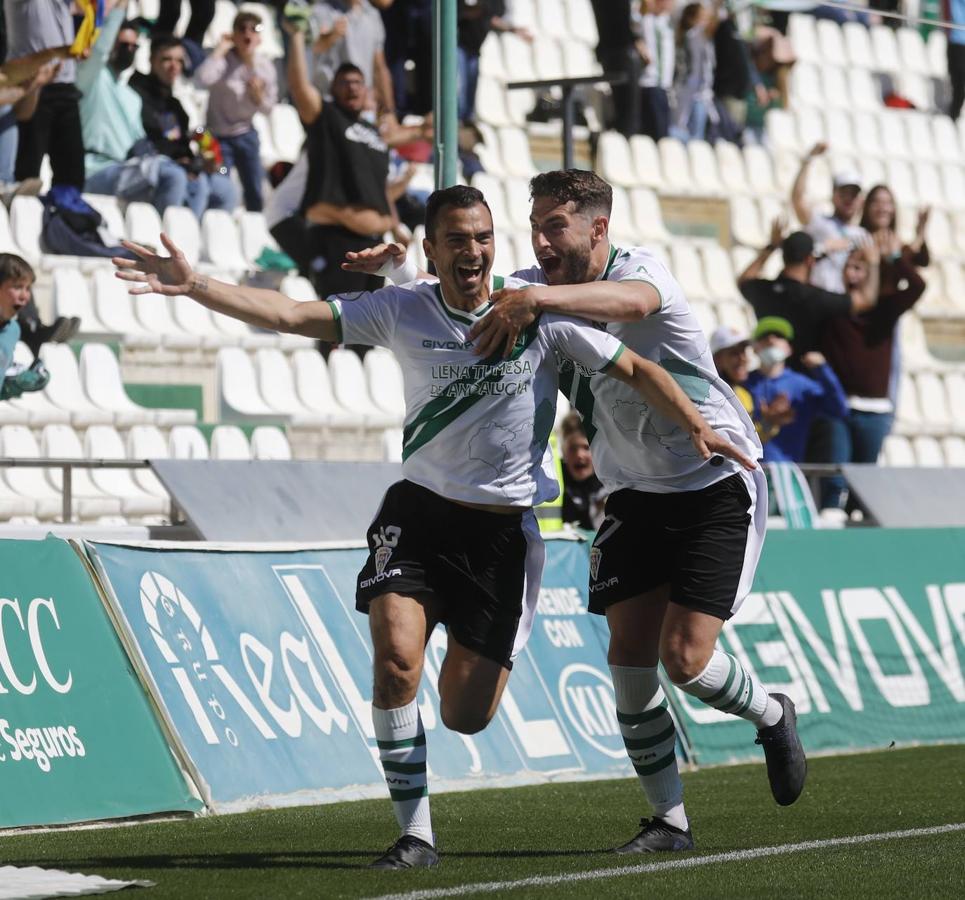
(396, 681)
(462, 720)
(683, 662)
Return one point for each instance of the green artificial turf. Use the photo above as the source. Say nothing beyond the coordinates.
(550, 830)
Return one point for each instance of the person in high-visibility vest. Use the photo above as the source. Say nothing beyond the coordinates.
(550, 514)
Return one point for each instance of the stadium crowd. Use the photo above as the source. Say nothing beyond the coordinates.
(358, 74)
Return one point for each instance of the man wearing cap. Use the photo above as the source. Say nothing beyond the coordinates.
(818, 393)
(835, 236)
(793, 295)
(729, 349)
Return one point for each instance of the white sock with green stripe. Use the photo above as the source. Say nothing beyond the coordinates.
(650, 738)
(726, 685)
(402, 749)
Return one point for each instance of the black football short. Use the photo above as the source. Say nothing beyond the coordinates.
(484, 566)
(705, 544)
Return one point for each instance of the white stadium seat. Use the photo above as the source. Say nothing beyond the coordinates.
(103, 442)
(222, 242)
(269, 442)
(934, 403)
(675, 165)
(646, 161)
(187, 442)
(928, 452)
(730, 164)
(255, 237)
(18, 441)
(143, 224)
(703, 165)
(384, 376)
(287, 131)
(647, 216)
(238, 394)
(72, 298)
(36, 408)
(147, 442)
(115, 308)
(953, 446)
(181, 225)
(615, 160)
(66, 390)
(277, 384)
(897, 451)
(26, 223)
(884, 45)
(314, 386)
(351, 391)
(229, 442)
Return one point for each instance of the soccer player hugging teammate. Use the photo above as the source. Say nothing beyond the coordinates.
(456, 541)
(676, 554)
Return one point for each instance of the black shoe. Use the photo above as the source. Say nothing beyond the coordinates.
(63, 328)
(408, 852)
(657, 836)
(787, 766)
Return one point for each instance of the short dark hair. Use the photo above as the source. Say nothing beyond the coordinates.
(348, 67)
(245, 18)
(589, 192)
(460, 196)
(129, 25)
(797, 247)
(15, 268)
(164, 42)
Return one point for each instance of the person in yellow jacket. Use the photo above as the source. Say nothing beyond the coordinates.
(729, 347)
(550, 514)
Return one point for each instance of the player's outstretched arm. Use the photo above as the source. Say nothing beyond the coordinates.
(388, 260)
(659, 389)
(173, 276)
(597, 301)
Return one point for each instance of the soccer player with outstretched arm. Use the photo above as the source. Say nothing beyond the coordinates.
(455, 541)
(676, 554)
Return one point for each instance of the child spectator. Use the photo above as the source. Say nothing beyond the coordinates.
(242, 82)
(808, 396)
(166, 125)
(583, 494)
(16, 280)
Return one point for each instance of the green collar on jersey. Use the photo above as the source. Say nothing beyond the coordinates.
(614, 251)
(468, 317)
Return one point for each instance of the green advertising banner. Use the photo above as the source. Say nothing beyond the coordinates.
(78, 738)
(864, 629)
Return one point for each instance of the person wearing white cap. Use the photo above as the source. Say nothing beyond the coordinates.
(834, 236)
(729, 348)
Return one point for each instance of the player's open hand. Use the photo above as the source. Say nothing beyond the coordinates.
(709, 444)
(372, 259)
(168, 275)
(513, 310)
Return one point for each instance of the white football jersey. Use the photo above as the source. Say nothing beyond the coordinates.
(475, 429)
(633, 445)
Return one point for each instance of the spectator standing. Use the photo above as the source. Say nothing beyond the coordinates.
(335, 199)
(879, 218)
(860, 349)
(772, 57)
(584, 496)
(793, 296)
(166, 125)
(476, 18)
(695, 70)
(120, 160)
(617, 54)
(834, 235)
(241, 82)
(657, 49)
(202, 13)
(954, 11)
(735, 76)
(55, 128)
(408, 36)
(351, 31)
(821, 393)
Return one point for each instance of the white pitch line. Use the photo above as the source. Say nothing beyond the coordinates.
(692, 862)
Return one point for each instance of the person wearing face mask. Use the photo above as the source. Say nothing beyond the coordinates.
(120, 160)
(817, 393)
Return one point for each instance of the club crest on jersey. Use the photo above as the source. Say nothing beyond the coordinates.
(595, 555)
(382, 556)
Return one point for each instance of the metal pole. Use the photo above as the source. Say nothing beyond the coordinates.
(568, 118)
(68, 473)
(445, 77)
